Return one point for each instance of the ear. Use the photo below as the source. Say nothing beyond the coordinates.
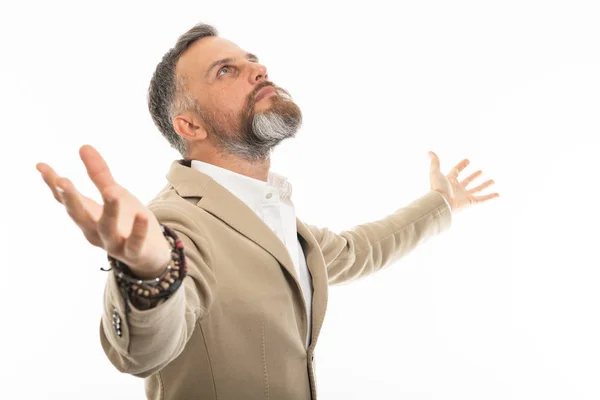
(189, 126)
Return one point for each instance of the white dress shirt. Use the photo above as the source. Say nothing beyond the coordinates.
(272, 202)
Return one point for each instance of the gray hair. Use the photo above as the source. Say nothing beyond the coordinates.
(168, 95)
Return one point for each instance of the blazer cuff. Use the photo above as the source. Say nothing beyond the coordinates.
(440, 207)
(122, 328)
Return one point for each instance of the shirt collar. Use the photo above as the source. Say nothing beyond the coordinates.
(251, 191)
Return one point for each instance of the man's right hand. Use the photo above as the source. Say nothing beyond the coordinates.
(122, 226)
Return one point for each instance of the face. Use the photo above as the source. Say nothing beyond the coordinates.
(243, 113)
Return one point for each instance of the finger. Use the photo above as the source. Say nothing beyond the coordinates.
(133, 244)
(465, 182)
(96, 167)
(108, 223)
(50, 177)
(71, 198)
(479, 199)
(481, 187)
(435, 161)
(458, 168)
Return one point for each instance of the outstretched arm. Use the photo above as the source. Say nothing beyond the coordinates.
(370, 247)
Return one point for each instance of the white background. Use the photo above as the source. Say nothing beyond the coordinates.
(505, 305)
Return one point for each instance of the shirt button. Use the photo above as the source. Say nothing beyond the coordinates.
(269, 195)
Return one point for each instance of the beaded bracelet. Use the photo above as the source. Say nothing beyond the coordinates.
(146, 293)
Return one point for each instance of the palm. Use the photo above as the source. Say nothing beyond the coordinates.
(93, 208)
(457, 192)
(122, 226)
(129, 206)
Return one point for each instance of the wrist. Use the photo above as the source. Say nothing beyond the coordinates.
(154, 287)
(156, 269)
(145, 273)
(446, 198)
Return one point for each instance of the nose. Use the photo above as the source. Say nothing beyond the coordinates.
(258, 73)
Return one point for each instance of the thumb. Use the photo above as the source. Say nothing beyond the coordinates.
(435, 161)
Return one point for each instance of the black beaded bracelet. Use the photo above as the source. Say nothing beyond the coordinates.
(148, 292)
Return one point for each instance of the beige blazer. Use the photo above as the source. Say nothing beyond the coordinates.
(236, 328)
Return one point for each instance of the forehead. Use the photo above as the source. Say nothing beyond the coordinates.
(196, 60)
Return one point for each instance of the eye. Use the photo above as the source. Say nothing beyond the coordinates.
(225, 68)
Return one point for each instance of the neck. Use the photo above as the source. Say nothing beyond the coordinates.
(257, 170)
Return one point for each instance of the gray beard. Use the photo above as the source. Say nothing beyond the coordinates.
(271, 127)
(259, 138)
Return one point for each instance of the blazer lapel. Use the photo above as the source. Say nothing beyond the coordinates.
(224, 205)
(317, 268)
(214, 198)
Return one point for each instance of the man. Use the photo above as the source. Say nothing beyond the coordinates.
(244, 322)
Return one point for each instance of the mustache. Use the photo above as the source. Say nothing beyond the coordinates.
(260, 87)
(281, 92)
(251, 100)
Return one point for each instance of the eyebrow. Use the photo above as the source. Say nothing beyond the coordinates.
(249, 57)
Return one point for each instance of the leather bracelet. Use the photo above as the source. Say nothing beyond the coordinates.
(147, 293)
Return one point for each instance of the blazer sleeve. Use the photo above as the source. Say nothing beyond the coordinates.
(369, 247)
(150, 339)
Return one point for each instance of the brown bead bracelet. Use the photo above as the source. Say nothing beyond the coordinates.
(147, 293)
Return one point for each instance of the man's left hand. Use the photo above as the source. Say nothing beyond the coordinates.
(455, 192)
